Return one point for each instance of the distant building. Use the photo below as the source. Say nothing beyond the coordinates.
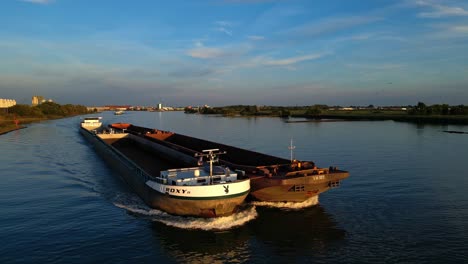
(118, 107)
(37, 99)
(97, 108)
(6, 103)
(160, 107)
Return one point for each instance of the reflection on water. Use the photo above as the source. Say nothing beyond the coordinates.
(276, 232)
(279, 232)
(285, 233)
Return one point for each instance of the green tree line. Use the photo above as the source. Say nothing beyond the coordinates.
(254, 110)
(47, 110)
(438, 109)
(318, 110)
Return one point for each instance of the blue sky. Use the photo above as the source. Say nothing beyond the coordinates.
(224, 52)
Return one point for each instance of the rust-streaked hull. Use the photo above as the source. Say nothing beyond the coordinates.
(298, 189)
(199, 208)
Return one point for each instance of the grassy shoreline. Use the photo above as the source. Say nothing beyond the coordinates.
(27, 114)
(8, 129)
(7, 122)
(316, 114)
(421, 119)
(7, 125)
(443, 120)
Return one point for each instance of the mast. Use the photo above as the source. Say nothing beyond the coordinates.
(212, 155)
(291, 148)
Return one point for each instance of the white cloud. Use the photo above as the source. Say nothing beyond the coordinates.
(42, 2)
(206, 53)
(255, 37)
(224, 30)
(242, 62)
(332, 25)
(223, 23)
(438, 10)
(448, 31)
(370, 36)
(360, 37)
(293, 60)
(224, 27)
(225, 52)
(385, 66)
(461, 29)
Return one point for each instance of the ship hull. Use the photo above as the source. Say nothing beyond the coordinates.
(297, 189)
(130, 167)
(195, 207)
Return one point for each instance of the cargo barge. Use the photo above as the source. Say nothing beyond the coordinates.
(273, 179)
(170, 186)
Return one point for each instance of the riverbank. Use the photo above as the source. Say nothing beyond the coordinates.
(5, 130)
(326, 114)
(16, 116)
(426, 119)
(8, 125)
(329, 116)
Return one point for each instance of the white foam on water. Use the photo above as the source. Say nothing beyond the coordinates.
(289, 205)
(141, 210)
(134, 205)
(218, 223)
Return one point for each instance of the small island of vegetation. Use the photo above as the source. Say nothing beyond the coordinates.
(14, 117)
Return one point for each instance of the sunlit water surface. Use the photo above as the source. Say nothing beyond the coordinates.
(406, 200)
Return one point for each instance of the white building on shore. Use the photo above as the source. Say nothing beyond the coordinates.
(6, 103)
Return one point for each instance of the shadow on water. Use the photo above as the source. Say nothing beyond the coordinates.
(275, 232)
(420, 127)
(285, 232)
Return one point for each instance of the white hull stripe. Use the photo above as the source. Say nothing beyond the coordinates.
(202, 192)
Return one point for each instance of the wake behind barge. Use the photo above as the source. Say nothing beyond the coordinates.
(273, 179)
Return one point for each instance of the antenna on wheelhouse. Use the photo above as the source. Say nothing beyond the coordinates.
(212, 155)
(291, 148)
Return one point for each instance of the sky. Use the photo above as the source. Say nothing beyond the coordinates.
(229, 52)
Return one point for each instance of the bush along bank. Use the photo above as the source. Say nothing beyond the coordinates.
(16, 116)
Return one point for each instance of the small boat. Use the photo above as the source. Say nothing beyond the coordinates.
(118, 112)
(91, 123)
(273, 179)
(200, 191)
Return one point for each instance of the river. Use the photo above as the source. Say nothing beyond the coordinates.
(405, 201)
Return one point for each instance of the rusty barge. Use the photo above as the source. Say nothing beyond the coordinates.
(273, 179)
